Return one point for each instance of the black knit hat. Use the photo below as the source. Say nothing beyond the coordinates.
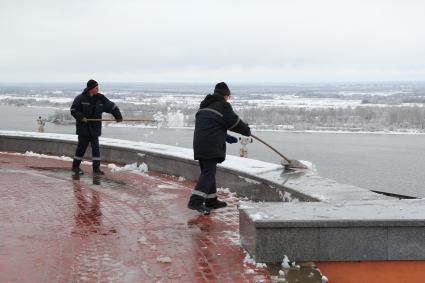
(91, 84)
(222, 89)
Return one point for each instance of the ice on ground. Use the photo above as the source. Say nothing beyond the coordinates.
(142, 168)
(181, 179)
(39, 155)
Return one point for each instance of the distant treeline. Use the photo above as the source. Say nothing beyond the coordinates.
(363, 118)
(368, 118)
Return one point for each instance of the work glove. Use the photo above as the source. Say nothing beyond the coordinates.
(231, 139)
(84, 120)
(119, 120)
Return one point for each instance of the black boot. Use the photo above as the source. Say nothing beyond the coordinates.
(97, 171)
(214, 203)
(77, 171)
(197, 203)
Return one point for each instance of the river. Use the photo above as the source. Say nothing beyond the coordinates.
(384, 162)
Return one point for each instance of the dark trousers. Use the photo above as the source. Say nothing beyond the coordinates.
(83, 143)
(206, 186)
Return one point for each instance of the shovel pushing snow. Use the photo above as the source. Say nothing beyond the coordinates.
(288, 163)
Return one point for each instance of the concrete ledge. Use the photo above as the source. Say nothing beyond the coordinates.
(257, 180)
(338, 231)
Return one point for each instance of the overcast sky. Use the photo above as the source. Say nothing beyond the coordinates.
(202, 41)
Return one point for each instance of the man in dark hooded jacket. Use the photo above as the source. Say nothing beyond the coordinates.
(90, 104)
(213, 119)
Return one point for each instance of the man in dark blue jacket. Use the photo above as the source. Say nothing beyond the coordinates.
(90, 105)
(213, 119)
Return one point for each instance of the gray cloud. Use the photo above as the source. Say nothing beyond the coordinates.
(262, 41)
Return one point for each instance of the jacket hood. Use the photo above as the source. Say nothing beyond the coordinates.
(210, 99)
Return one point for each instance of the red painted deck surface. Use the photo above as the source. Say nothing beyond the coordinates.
(130, 228)
(374, 271)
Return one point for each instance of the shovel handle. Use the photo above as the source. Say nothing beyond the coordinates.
(272, 148)
(126, 120)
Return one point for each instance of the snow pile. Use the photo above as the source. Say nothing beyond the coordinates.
(142, 168)
(226, 193)
(287, 264)
(309, 165)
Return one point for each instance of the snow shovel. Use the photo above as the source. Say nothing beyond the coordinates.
(126, 120)
(288, 163)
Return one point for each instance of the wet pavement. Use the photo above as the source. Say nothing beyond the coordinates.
(121, 227)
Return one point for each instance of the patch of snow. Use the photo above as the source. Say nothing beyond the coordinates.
(260, 265)
(249, 271)
(248, 180)
(245, 205)
(309, 165)
(142, 168)
(248, 259)
(142, 240)
(164, 259)
(286, 263)
(260, 216)
(227, 193)
(233, 237)
(167, 186)
(39, 155)
(285, 196)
